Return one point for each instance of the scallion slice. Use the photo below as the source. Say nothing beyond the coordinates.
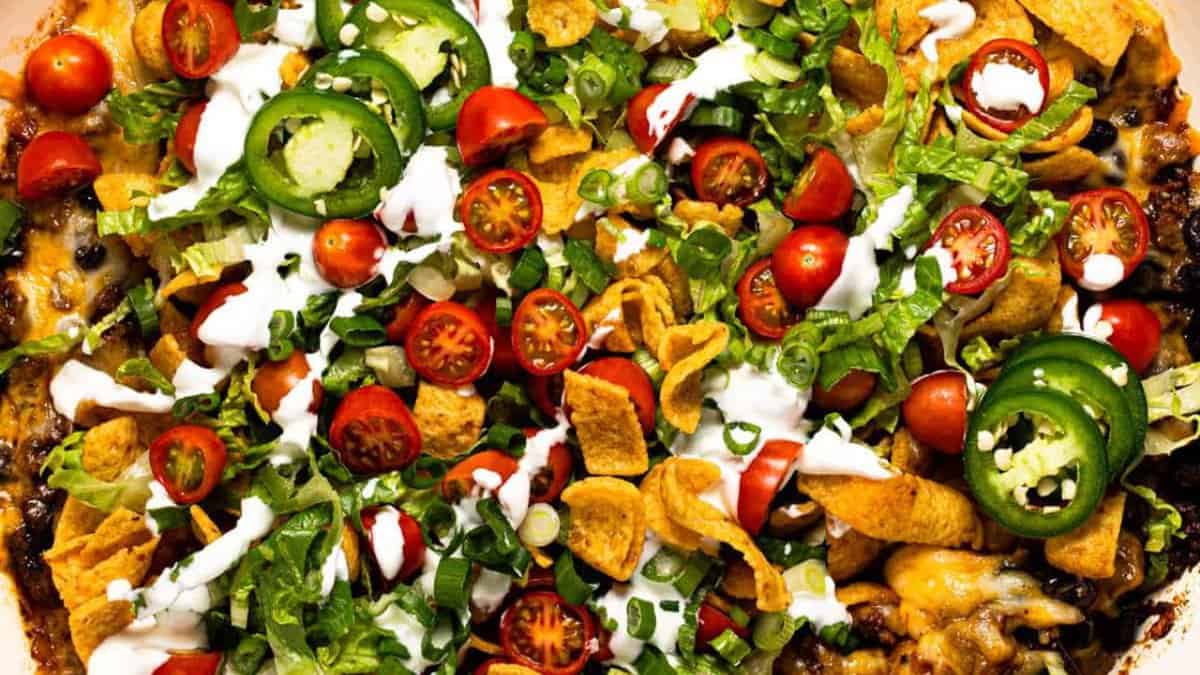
(596, 187)
(731, 647)
(567, 581)
(693, 573)
(667, 69)
(141, 299)
(450, 582)
(281, 325)
(774, 630)
(641, 621)
(504, 310)
(736, 446)
(647, 185)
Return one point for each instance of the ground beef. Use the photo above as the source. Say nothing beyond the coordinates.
(30, 540)
(12, 311)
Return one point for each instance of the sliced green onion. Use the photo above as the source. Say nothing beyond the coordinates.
(739, 615)
(697, 567)
(141, 299)
(582, 259)
(669, 605)
(647, 185)
(141, 368)
(529, 270)
(281, 325)
(665, 566)
(774, 630)
(540, 527)
(785, 26)
(504, 311)
(424, 473)
(649, 364)
(739, 447)
(200, 403)
(521, 50)
(505, 537)
(701, 254)
(721, 27)
(667, 69)
(718, 116)
(596, 187)
(450, 582)
(750, 12)
(641, 621)
(731, 647)
(655, 238)
(784, 70)
(806, 577)
(567, 581)
(359, 330)
(652, 662)
(594, 80)
(440, 525)
(784, 49)
(839, 635)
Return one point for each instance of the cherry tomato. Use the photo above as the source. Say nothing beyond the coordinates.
(414, 541)
(1136, 331)
(447, 344)
(632, 379)
(188, 460)
(542, 631)
(185, 135)
(403, 315)
(504, 359)
(1016, 53)
(200, 36)
(373, 431)
(1107, 221)
(935, 412)
(275, 379)
(978, 243)
(728, 170)
(194, 663)
(760, 304)
(460, 480)
(68, 73)
(647, 135)
(823, 192)
(849, 392)
(549, 333)
(347, 252)
(494, 119)
(807, 262)
(501, 211)
(214, 300)
(762, 480)
(54, 163)
(712, 622)
(546, 392)
(547, 484)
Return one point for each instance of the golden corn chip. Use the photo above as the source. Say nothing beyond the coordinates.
(109, 448)
(608, 524)
(97, 620)
(182, 282)
(449, 421)
(559, 140)
(850, 553)
(906, 455)
(856, 78)
(1027, 303)
(77, 518)
(1072, 164)
(120, 548)
(558, 182)
(993, 19)
(167, 355)
(610, 437)
(1066, 136)
(865, 122)
(683, 352)
(738, 581)
(203, 528)
(677, 284)
(509, 669)
(1091, 550)
(123, 191)
(1101, 28)
(638, 311)
(610, 232)
(597, 159)
(692, 212)
(862, 592)
(907, 17)
(657, 520)
(562, 22)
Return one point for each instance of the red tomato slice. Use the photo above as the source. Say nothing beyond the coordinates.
(637, 118)
(712, 622)
(414, 542)
(347, 252)
(728, 170)
(807, 262)
(214, 300)
(1013, 52)
(760, 304)
(501, 211)
(447, 344)
(762, 480)
(195, 663)
(935, 412)
(1106, 221)
(274, 379)
(188, 460)
(633, 379)
(494, 119)
(850, 392)
(459, 481)
(185, 135)
(200, 36)
(546, 393)
(1136, 331)
(373, 431)
(549, 333)
(504, 359)
(403, 316)
(549, 483)
(54, 163)
(978, 243)
(542, 631)
(68, 73)
(823, 192)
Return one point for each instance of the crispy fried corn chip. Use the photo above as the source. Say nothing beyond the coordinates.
(693, 212)
(1091, 550)
(993, 19)
(449, 421)
(909, 22)
(509, 669)
(850, 552)
(608, 524)
(639, 312)
(559, 140)
(116, 190)
(109, 448)
(610, 436)
(669, 531)
(1101, 28)
(1072, 164)
(1027, 303)
(97, 620)
(558, 182)
(203, 528)
(562, 22)
(683, 352)
(120, 548)
(614, 229)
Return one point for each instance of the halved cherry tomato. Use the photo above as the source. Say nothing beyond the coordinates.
(504, 359)
(347, 252)
(850, 392)
(647, 135)
(543, 631)
(823, 192)
(275, 379)
(214, 300)
(459, 481)
(414, 541)
(632, 379)
(760, 304)
(185, 135)
(68, 73)
(1107, 221)
(548, 332)
(935, 412)
(1136, 331)
(547, 484)
(1016, 53)
(762, 480)
(200, 36)
(546, 391)
(728, 170)
(712, 622)
(194, 663)
(447, 344)
(188, 460)
(403, 315)
(494, 119)
(807, 262)
(978, 244)
(373, 431)
(501, 211)
(55, 162)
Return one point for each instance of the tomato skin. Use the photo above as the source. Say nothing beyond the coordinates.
(185, 135)
(1136, 331)
(1005, 50)
(762, 480)
(448, 344)
(373, 432)
(194, 663)
(850, 392)
(544, 343)
(935, 412)
(633, 379)
(189, 444)
(501, 211)
(214, 300)
(274, 379)
(1086, 232)
(347, 252)
(761, 306)
(637, 120)
(55, 162)
(200, 36)
(546, 391)
(404, 314)
(549, 483)
(539, 618)
(807, 262)
(728, 170)
(414, 542)
(494, 119)
(504, 359)
(823, 193)
(458, 481)
(68, 74)
(979, 244)
(712, 622)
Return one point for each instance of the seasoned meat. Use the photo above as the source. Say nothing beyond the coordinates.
(32, 537)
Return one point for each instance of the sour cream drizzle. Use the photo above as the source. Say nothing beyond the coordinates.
(717, 69)
(951, 18)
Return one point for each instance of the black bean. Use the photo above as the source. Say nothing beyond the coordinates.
(1071, 590)
(1101, 137)
(1191, 232)
(1189, 278)
(1191, 335)
(90, 256)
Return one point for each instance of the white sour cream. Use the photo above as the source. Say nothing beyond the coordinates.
(1003, 86)
(615, 605)
(489, 590)
(77, 382)
(651, 25)
(630, 242)
(387, 542)
(513, 496)
(297, 26)
(951, 19)
(717, 69)
(1102, 271)
(427, 192)
(833, 452)
(492, 25)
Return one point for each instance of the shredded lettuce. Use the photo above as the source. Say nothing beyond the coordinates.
(1073, 98)
(151, 113)
(65, 467)
(231, 198)
(1165, 521)
(873, 150)
(226, 247)
(1002, 183)
(59, 343)
(1174, 394)
(1036, 217)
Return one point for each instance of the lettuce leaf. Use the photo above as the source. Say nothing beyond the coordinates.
(1036, 217)
(231, 198)
(1002, 183)
(1174, 394)
(1165, 521)
(65, 466)
(151, 113)
(902, 318)
(1073, 98)
(873, 150)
